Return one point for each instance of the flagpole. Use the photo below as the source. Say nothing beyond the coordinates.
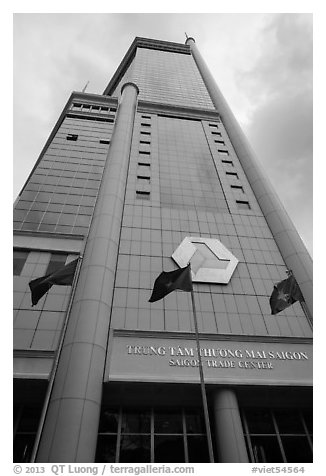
(289, 272)
(55, 365)
(202, 382)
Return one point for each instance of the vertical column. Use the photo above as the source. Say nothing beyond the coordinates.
(231, 446)
(286, 236)
(70, 430)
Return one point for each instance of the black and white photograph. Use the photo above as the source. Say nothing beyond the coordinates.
(162, 241)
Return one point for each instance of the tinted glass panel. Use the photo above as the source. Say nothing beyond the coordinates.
(19, 259)
(266, 449)
(109, 421)
(260, 421)
(289, 421)
(297, 449)
(23, 447)
(195, 423)
(169, 449)
(29, 420)
(308, 418)
(198, 449)
(135, 449)
(57, 261)
(106, 449)
(136, 422)
(168, 422)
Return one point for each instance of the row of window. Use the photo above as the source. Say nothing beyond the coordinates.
(278, 435)
(151, 435)
(241, 204)
(177, 435)
(74, 138)
(143, 172)
(93, 108)
(57, 261)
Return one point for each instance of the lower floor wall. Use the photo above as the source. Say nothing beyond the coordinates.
(142, 422)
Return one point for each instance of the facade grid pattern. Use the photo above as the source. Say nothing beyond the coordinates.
(170, 172)
(38, 327)
(167, 77)
(153, 228)
(61, 194)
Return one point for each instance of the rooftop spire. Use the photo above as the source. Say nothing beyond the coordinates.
(84, 88)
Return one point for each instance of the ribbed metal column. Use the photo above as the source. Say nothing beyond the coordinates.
(231, 446)
(286, 236)
(70, 430)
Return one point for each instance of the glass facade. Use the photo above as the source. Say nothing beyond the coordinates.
(278, 435)
(26, 419)
(160, 435)
(61, 193)
(188, 178)
(184, 180)
(39, 327)
(178, 185)
(167, 77)
(58, 199)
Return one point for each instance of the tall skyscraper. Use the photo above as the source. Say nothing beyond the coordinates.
(151, 175)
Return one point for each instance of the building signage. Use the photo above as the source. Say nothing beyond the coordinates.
(211, 261)
(167, 360)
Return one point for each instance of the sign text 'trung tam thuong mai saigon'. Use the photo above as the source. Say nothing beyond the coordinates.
(168, 360)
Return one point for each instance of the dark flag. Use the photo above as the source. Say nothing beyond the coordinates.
(285, 293)
(63, 276)
(167, 282)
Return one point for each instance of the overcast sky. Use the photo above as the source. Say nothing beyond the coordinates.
(261, 62)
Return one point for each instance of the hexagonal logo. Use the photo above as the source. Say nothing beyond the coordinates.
(211, 261)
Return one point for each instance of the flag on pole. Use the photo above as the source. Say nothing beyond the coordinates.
(167, 282)
(63, 277)
(285, 293)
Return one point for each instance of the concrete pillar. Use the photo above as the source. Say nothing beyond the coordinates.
(231, 446)
(292, 249)
(71, 425)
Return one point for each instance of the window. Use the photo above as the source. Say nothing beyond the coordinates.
(103, 141)
(237, 188)
(144, 124)
(73, 137)
(144, 164)
(145, 133)
(219, 142)
(222, 152)
(142, 195)
(216, 133)
(213, 125)
(232, 174)
(143, 177)
(145, 142)
(151, 435)
(228, 162)
(26, 420)
(145, 152)
(57, 261)
(91, 118)
(243, 205)
(278, 435)
(20, 257)
(145, 117)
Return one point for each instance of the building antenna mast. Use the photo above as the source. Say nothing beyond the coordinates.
(84, 88)
(186, 35)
